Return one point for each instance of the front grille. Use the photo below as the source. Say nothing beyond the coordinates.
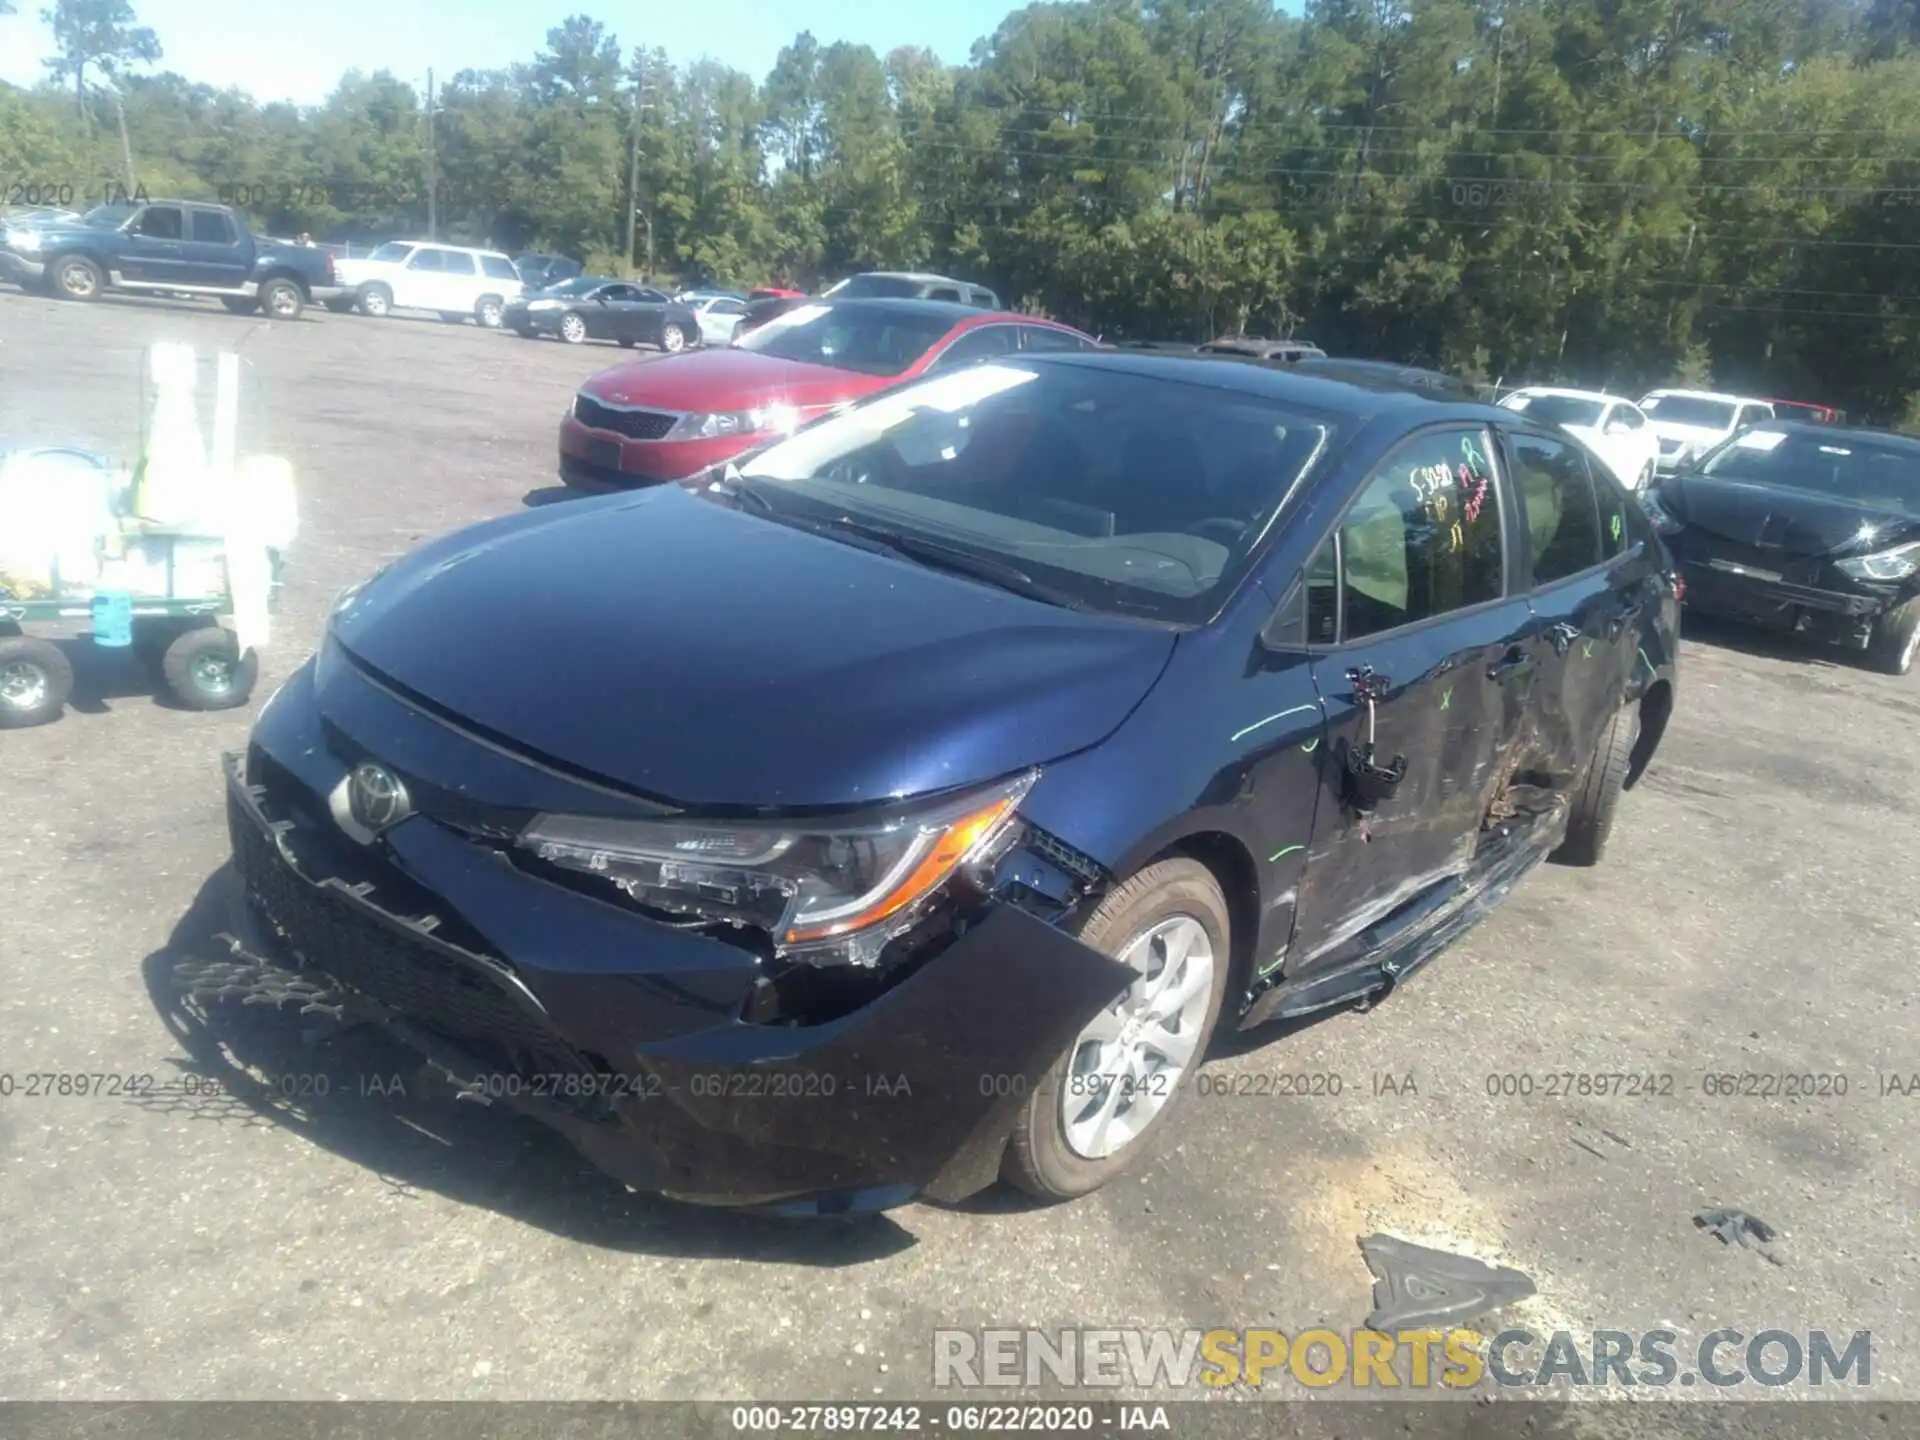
(634, 424)
(411, 976)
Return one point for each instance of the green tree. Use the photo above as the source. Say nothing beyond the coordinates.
(96, 34)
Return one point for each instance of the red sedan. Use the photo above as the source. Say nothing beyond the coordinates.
(650, 421)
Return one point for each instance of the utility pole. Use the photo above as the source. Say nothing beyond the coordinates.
(433, 177)
(633, 160)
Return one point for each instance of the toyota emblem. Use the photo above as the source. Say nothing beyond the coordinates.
(376, 798)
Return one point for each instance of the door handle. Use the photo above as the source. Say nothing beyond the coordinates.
(1515, 663)
(1369, 685)
(1562, 636)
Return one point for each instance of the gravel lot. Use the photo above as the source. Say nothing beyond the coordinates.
(1750, 919)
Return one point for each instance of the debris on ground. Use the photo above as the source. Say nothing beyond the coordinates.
(1733, 1226)
(1415, 1286)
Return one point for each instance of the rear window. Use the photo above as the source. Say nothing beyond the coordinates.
(391, 252)
(210, 227)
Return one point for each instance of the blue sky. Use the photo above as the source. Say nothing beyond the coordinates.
(297, 49)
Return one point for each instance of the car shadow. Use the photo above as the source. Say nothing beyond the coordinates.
(365, 1097)
(1724, 634)
(551, 495)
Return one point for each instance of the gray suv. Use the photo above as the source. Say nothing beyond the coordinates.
(911, 285)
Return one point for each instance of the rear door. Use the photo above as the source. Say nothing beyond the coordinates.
(1426, 621)
(459, 282)
(1588, 582)
(212, 252)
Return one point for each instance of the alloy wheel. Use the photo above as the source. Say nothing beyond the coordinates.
(284, 303)
(1128, 1062)
(673, 339)
(573, 329)
(213, 674)
(23, 686)
(77, 280)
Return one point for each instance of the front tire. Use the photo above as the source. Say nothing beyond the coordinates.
(75, 277)
(375, 301)
(35, 681)
(1092, 1114)
(206, 671)
(1590, 821)
(489, 312)
(673, 339)
(1896, 639)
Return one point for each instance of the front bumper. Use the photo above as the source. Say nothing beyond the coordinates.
(626, 1035)
(605, 459)
(21, 269)
(1757, 597)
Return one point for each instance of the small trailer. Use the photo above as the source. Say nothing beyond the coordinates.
(151, 557)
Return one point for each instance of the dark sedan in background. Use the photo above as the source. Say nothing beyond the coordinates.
(598, 307)
(1809, 528)
(910, 805)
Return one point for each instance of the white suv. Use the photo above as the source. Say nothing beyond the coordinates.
(419, 275)
(1688, 423)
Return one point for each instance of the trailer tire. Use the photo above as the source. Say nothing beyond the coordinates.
(35, 681)
(206, 671)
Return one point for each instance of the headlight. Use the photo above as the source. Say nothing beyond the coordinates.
(829, 894)
(768, 419)
(1663, 520)
(1895, 564)
(25, 241)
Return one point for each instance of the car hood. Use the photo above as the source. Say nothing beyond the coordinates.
(712, 658)
(351, 272)
(1794, 522)
(706, 380)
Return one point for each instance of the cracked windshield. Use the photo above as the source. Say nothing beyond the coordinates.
(798, 716)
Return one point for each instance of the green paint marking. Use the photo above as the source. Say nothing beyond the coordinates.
(1268, 968)
(1586, 651)
(1258, 724)
(1446, 698)
(1616, 529)
(1311, 745)
(1652, 669)
(1282, 854)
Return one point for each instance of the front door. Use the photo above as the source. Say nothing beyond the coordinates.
(1430, 668)
(1589, 579)
(152, 253)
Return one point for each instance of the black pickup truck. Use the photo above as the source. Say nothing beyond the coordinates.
(168, 247)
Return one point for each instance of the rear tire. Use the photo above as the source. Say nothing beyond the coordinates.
(35, 681)
(1896, 639)
(281, 300)
(206, 671)
(1590, 821)
(1042, 1158)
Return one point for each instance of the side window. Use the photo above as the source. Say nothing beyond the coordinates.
(160, 222)
(1322, 585)
(982, 344)
(1557, 496)
(1612, 496)
(1423, 538)
(651, 297)
(985, 299)
(498, 267)
(428, 260)
(1631, 415)
(210, 227)
(455, 262)
(728, 307)
(1034, 337)
(945, 292)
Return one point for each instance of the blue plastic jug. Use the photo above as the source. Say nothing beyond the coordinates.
(113, 619)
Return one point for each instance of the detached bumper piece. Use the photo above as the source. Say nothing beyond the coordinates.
(911, 1094)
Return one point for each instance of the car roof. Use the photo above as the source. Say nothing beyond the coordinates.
(1570, 393)
(1828, 434)
(464, 249)
(1707, 395)
(1359, 395)
(937, 309)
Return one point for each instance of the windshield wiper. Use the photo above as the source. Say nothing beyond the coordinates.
(937, 556)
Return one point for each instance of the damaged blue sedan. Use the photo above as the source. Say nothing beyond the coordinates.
(905, 806)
